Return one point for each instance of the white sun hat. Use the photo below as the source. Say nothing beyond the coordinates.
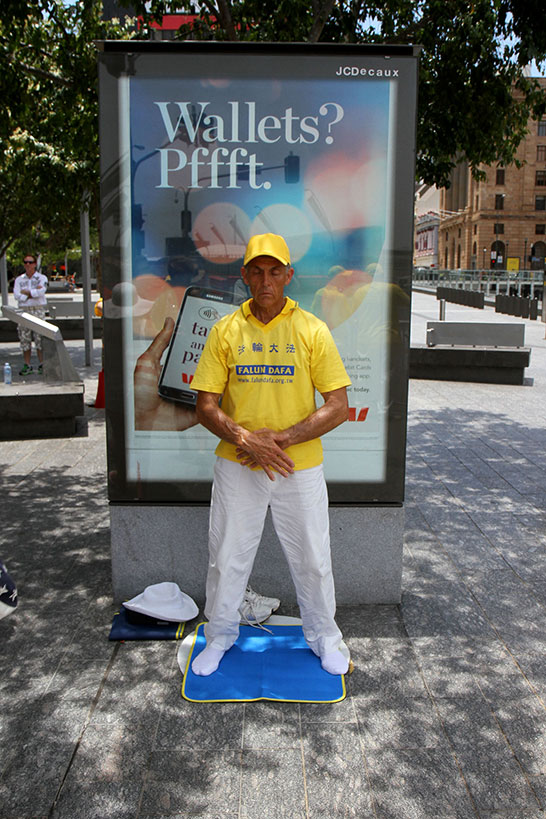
(165, 601)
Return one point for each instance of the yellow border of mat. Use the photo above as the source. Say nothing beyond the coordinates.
(254, 699)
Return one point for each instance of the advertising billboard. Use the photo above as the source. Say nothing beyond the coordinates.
(206, 144)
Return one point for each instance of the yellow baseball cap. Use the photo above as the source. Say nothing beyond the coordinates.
(267, 244)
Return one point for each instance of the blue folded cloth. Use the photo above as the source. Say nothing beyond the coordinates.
(127, 626)
(263, 666)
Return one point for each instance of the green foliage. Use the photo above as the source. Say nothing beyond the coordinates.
(49, 116)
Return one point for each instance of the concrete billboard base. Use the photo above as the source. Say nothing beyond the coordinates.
(154, 543)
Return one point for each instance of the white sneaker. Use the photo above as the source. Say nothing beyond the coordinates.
(255, 608)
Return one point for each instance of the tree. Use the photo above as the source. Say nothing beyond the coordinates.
(475, 99)
(49, 116)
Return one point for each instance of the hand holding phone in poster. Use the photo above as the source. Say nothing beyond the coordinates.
(200, 310)
(152, 412)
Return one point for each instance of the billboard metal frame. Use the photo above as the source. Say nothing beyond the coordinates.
(124, 64)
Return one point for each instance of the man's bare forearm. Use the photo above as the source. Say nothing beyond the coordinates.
(211, 415)
(330, 415)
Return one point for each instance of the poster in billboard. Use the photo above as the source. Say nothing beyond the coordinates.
(210, 146)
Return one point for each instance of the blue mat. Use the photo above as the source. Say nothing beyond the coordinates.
(262, 666)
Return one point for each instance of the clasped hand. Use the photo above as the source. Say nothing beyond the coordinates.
(264, 447)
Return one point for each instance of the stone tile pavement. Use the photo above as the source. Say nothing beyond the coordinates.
(445, 715)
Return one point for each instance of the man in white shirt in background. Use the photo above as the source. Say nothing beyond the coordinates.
(29, 291)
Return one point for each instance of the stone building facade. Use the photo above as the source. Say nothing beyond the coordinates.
(427, 223)
(426, 240)
(500, 222)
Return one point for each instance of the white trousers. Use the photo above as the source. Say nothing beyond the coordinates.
(299, 508)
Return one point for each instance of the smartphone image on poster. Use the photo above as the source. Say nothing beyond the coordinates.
(200, 310)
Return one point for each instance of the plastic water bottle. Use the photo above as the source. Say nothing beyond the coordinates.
(7, 373)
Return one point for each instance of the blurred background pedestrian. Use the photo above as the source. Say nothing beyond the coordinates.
(30, 294)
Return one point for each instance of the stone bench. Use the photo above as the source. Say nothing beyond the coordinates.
(48, 408)
(38, 410)
(488, 365)
(484, 352)
(66, 308)
(475, 334)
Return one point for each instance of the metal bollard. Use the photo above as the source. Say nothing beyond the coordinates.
(442, 316)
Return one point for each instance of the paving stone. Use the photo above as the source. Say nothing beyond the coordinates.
(416, 783)
(97, 800)
(112, 752)
(206, 726)
(202, 815)
(272, 785)
(386, 667)
(472, 728)
(459, 667)
(426, 560)
(193, 782)
(533, 666)
(214, 814)
(524, 725)
(514, 813)
(330, 712)
(271, 725)
(513, 611)
(335, 772)
(487, 761)
(370, 621)
(397, 722)
(130, 685)
(443, 609)
(494, 786)
(538, 784)
(32, 778)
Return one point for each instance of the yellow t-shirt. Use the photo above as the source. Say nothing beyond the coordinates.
(268, 373)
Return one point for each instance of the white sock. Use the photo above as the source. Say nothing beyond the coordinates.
(207, 661)
(335, 663)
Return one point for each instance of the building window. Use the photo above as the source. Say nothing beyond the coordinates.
(500, 176)
(475, 229)
(540, 202)
(539, 252)
(540, 179)
(477, 201)
(541, 153)
(540, 228)
(542, 128)
(498, 228)
(499, 201)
